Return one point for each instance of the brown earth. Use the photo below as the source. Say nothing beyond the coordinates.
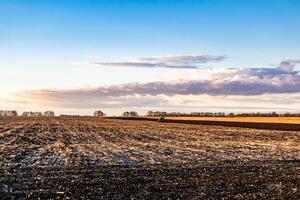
(100, 158)
(269, 123)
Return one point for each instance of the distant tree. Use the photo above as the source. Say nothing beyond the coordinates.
(274, 114)
(14, 113)
(8, 113)
(99, 113)
(230, 115)
(133, 114)
(25, 114)
(125, 114)
(150, 113)
(49, 113)
(37, 114)
(130, 114)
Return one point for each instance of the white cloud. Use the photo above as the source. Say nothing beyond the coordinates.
(215, 89)
(225, 82)
(185, 62)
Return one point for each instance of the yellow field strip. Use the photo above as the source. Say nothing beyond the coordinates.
(285, 120)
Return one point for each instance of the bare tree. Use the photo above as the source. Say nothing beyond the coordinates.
(8, 113)
(49, 113)
(130, 114)
(98, 113)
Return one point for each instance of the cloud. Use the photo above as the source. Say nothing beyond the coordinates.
(286, 66)
(223, 82)
(294, 61)
(177, 62)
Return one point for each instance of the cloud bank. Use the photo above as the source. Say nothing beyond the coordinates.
(223, 82)
(177, 62)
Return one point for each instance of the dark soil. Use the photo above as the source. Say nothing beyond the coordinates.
(231, 180)
(90, 158)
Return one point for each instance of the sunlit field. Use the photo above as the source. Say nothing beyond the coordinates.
(290, 120)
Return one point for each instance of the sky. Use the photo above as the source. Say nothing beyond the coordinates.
(77, 56)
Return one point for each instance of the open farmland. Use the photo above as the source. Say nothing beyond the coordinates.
(111, 158)
(269, 123)
(288, 120)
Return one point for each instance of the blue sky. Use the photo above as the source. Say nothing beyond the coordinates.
(51, 44)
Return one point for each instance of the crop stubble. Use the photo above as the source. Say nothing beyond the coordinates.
(108, 158)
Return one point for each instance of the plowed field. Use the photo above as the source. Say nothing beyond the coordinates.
(96, 158)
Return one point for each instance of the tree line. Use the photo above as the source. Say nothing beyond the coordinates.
(221, 114)
(99, 113)
(13, 113)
